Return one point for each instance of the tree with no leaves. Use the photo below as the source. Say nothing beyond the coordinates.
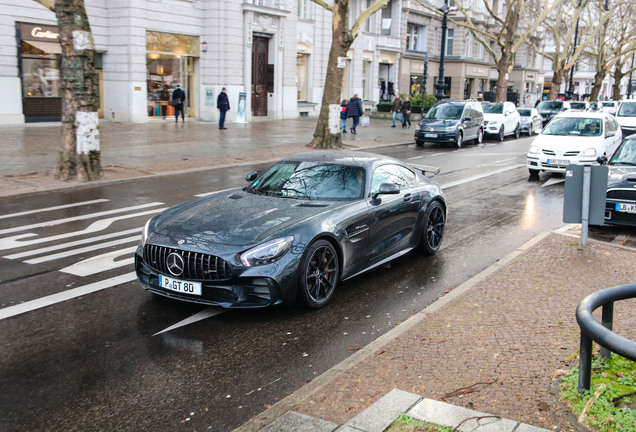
(79, 155)
(341, 40)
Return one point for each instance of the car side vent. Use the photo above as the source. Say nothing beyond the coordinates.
(236, 196)
(311, 204)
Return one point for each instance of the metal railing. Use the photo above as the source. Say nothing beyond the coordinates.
(601, 333)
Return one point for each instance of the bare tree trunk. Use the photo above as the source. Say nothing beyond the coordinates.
(502, 82)
(557, 79)
(79, 155)
(618, 77)
(598, 82)
(341, 42)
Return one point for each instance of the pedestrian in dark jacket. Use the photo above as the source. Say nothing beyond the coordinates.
(355, 111)
(223, 105)
(396, 109)
(343, 115)
(406, 112)
(178, 97)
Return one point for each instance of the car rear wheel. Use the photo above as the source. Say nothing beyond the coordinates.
(480, 137)
(419, 143)
(530, 130)
(432, 232)
(460, 139)
(517, 131)
(501, 135)
(319, 272)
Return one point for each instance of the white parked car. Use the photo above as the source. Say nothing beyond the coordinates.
(609, 107)
(573, 137)
(626, 116)
(501, 119)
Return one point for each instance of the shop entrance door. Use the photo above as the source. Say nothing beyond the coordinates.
(259, 76)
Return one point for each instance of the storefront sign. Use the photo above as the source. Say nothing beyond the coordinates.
(342, 62)
(37, 32)
(209, 96)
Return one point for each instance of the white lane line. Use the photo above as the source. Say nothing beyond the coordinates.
(18, 241)
(56, 247)
(100, 263)
(204, 314)
(42, 302)
(552, 181)
(42, 210)
(79, 251)
(481, 176)
(201, 195)
(78, 218)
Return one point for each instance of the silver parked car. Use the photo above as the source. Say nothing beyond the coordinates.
(531, 120)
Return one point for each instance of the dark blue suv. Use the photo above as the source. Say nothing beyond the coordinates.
(453, 122)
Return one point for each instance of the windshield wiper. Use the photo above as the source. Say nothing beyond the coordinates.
(624, 163)
(253, 190)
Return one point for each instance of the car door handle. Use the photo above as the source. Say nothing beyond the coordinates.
(408, 197)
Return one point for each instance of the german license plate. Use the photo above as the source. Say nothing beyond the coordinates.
(180, 286)
(558, 162)
(625, 208)
(430, 135)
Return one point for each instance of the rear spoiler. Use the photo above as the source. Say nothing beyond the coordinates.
(427, 169)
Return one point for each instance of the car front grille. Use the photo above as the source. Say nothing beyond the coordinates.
(548, 152)
(622, 194)
(197, 266)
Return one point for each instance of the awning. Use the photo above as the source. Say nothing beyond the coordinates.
(47, 47)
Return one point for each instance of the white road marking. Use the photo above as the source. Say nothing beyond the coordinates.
(552, 181)
(481, 176)
(42, 302)
(42, 210)
(100, 263)
(204, 314)
(17, 241)
(201, 195)
(83, 250)
(78, 218)
(59, 246)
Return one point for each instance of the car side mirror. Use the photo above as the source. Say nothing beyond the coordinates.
(387, 189)
(251, 176)
(602, 160)
(609, 134)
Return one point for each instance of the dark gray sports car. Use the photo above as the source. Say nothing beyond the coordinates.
(306, 223)
(620, 204)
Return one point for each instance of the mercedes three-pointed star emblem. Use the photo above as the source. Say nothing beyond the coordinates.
(175, 264)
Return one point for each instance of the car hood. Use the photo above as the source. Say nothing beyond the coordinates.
(234, 218)
(563, 142)
(621, 176)
(626, 121)
(438, 122)
(494, 117)
(548, 113)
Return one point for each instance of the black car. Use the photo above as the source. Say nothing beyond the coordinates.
(548, 109)
(451, 122)
(306, 223)
(620, 204)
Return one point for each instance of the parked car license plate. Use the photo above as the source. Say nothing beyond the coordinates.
(180, 285)
(558, 162)
(626, 208)
(430, 135)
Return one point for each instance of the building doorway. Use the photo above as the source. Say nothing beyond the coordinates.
(260, 69)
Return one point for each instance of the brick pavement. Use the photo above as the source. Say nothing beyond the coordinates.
(496, 348)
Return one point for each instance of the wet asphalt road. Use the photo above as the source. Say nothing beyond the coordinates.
(101, 354)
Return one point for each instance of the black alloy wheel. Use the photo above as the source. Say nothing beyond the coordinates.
(319, 272)
(460, 139)
(433, 225)
(530, 130)
(517, 131)
(501, 135)
(533, 172)
(480, 136)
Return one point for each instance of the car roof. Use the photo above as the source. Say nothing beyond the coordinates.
(583, 114)
(344, 157)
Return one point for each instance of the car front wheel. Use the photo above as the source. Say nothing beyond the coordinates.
(319, 272)
(517, 131)
(460, 139)
(419, 143)
(433, 225)
(501, 135)
(530, 131)
(480, 137)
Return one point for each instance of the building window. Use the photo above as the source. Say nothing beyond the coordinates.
(480, 51)
(386, 19)
(450, 36)
(305, 9)
(469, 45)
(415, 37)
(368, 25)
(302, 68)
(366, 73)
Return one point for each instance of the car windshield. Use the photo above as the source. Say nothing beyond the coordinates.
(627, 110)
(626, 154)
(493, 109)
(577, 105)
(550, 106)
(573, 126)
(310, 180)
(608, 104)
(524, 112)
(445, 111)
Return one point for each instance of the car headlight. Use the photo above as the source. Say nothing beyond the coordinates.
(418, 127)
(449, 129)
(493, 123)
(589, 152)
(267, 252)
(144, 233)
(534, 150)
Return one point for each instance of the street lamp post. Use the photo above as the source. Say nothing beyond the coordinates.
(441, 85)
(425, 76)
(570, 92)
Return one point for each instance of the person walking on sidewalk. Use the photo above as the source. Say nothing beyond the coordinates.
(178, 97)
(223, 105)
(406, 112)
(396, 109)
(343, 115)
(354, 111)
